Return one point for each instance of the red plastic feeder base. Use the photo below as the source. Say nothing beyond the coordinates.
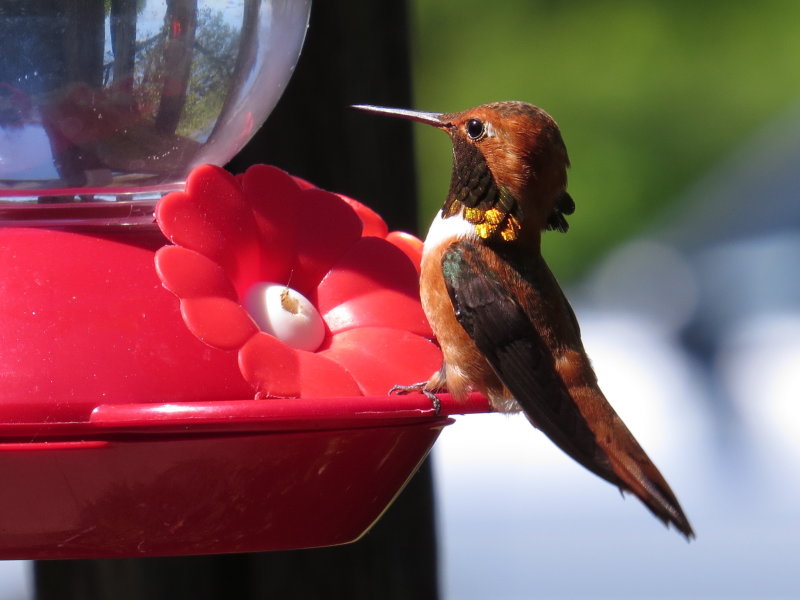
(198, 478)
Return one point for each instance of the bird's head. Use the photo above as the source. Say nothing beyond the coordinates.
(509, 168)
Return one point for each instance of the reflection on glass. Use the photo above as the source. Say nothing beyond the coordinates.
(127, 95)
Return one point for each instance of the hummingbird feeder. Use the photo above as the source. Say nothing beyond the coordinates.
(214, 381)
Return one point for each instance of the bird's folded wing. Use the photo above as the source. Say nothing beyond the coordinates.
(506, 337)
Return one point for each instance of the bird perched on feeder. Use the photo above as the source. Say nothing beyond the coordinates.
(504, 326)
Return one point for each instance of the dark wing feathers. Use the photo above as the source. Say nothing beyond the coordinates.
(514, 349)
(565, 205)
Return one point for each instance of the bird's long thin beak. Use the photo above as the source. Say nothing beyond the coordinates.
(429, 118)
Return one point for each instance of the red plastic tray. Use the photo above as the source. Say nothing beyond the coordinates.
(210, 477)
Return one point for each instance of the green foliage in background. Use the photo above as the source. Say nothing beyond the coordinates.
(649, 95)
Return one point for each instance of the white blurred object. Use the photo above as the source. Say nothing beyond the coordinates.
(648, 278)
(759, 365)
(15, 580)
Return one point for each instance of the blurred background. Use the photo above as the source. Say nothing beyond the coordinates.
(682, 121)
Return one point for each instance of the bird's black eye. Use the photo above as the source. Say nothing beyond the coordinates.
(475, 128)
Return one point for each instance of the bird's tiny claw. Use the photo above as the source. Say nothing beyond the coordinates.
(437, 404)
(420, 389)
(407, 389)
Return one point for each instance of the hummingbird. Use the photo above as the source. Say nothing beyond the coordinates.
(504, 326)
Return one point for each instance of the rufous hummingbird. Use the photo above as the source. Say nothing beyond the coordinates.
(504, 326)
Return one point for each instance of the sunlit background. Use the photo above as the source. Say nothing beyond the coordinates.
(682, 121)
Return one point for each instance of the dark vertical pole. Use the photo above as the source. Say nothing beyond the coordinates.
(357, 51)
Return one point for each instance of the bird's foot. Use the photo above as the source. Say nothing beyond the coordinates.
(420, 389)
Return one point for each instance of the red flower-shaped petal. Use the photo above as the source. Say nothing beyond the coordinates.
(379, 357)
(267, 227)
(275, 370)
(273, 198)
(212, 218)
(372, 222)
(218, 321)
(188, 274)
(409, 244)
(374, 284)
(328, 227)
